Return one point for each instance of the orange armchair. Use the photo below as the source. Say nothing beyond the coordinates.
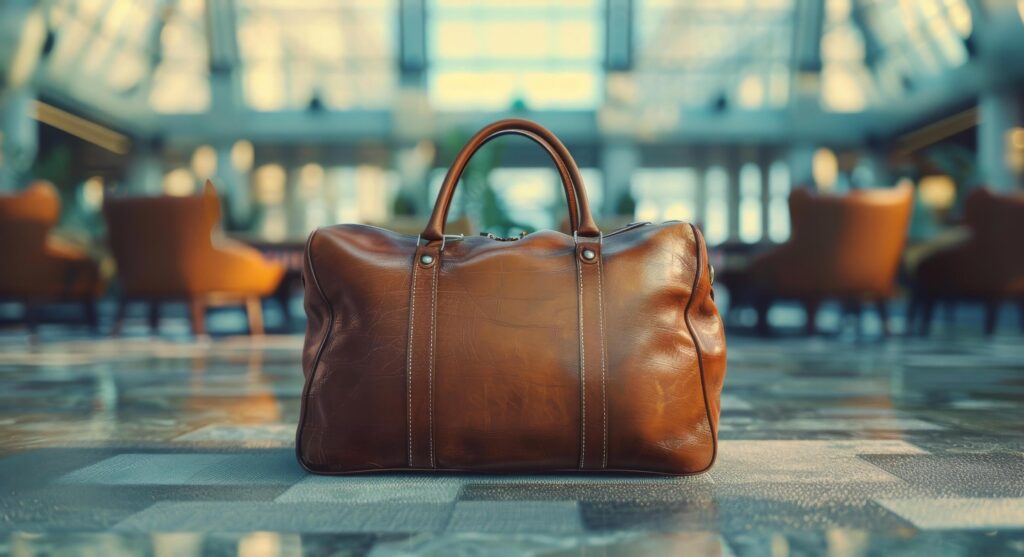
(842, 247)
(987, 266)
(38, 268)
(166, 248)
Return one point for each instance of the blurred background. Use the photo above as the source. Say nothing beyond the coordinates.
(315, 112)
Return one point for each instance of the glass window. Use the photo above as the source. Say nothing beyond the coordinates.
(665, 194)
(493, 55)
(341, 54)
(181, 80)
(700, 52)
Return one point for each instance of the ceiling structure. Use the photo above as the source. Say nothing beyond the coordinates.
(652, 69)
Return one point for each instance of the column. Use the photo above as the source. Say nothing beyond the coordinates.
(872, 170)
(413, 164)
(765, 159)
(22, 32)
(618, 162)
(145, 172)
(801, 165)
(1000, 141)
(732, 169)
(233, 164)
(19, 137)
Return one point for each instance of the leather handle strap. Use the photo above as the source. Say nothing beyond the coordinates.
(580, 219)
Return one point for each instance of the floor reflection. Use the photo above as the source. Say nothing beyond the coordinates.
(157, 446)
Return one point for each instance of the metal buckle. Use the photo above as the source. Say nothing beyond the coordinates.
(600, 238)
(454, 238)
(444, 239)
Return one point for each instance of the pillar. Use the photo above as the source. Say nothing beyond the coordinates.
(618, 162)
(145, 173)
(233, 184)
(1000, 114)
(800, 158)
(732, 169)
(19, 137)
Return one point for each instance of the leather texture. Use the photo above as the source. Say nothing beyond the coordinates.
(554, 352)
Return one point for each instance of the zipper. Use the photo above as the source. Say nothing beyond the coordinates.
(628, 227)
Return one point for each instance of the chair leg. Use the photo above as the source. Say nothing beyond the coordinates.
(122, 306)
(197, 313)
(852, 308)
(991, 316)
(927, 310)
(948, 313)
(811, 307)
(154, 317)
(882, 306)
(254, 311)
(32, 319)
(761, 306)
(91, 315)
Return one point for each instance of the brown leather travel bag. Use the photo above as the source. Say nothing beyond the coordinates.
(550, 353)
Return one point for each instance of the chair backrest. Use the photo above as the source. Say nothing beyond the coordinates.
(996, 221)
(162, 245)
(851, 243)
(26, 219)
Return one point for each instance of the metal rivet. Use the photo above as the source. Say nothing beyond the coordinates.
(588, 254)
(426, 259)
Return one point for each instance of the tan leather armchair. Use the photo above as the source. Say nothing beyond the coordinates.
(987, 266)
(38, 268)
(167, 248)
(841, 247)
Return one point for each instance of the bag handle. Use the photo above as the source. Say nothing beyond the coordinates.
(580, 220)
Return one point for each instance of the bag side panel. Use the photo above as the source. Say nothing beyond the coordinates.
(354, 406)
(657, 418)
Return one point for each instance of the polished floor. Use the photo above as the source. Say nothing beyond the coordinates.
(169, 446)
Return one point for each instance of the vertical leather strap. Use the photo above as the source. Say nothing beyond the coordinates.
(420, 356)
(593, 364)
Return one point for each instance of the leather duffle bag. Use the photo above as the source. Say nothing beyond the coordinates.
(549, 352)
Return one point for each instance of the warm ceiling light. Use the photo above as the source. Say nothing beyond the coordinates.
(311, 176)
(1017, 136)
(269, 182)
(204, 162)
(937, 192)
(825, 169)
(92, 193)
(242, 155)
(179, 182)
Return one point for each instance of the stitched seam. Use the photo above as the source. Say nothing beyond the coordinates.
(604, 372)
(698, 241)
(319, 352)
(430, 376)
(583, 368)
(408, 365)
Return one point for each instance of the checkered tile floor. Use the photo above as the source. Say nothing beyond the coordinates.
(162, 447)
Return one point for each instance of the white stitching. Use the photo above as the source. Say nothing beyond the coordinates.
(583, 367)
(433, 322)
(604, 395)
(408, 368)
